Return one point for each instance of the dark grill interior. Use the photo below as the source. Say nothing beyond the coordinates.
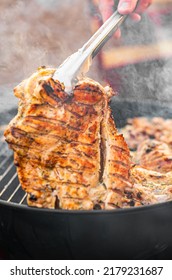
(10, 189)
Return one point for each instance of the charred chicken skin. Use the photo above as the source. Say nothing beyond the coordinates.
(67, 149)
(69, 154)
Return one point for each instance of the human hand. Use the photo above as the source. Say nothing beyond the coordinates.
(124, 7)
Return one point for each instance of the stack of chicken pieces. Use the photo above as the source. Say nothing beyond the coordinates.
(67, 150)
(151, 143)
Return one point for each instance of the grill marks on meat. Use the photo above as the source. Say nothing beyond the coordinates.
(152, 158)
(153, 186)
(66, 148)
(155, 155)
(116, 163)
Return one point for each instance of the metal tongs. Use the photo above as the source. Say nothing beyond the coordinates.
(76, 65)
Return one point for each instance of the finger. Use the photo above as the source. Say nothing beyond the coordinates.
(117, 34)
(143, 5)
(135, 17)
(106, 8)
(126, 6)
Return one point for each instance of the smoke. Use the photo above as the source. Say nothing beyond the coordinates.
(35, 33)
(38, 33)
(41, 32)
(149, 79)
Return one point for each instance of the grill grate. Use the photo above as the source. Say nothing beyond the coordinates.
(10, 189)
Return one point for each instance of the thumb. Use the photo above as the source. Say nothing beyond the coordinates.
(127, 6)
(106, 8)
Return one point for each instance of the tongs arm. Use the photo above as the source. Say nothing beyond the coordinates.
(79, 63)
(103, 34)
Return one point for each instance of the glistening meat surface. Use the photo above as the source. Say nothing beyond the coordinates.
(67, 149)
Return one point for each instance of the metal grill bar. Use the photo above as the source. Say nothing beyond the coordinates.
(4, 162)
(7, 185)
(23, 199)
(10, 189)
(14, 192)
(3, 151)
(7, 170)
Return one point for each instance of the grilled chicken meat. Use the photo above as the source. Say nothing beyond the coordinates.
(154, 186)
(152, 157)
(67, 150)
(139, 129)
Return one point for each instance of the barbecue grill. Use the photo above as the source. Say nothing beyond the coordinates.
(32, 233)
(10, 189)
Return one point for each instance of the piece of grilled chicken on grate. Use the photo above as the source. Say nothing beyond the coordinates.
(67, 150)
